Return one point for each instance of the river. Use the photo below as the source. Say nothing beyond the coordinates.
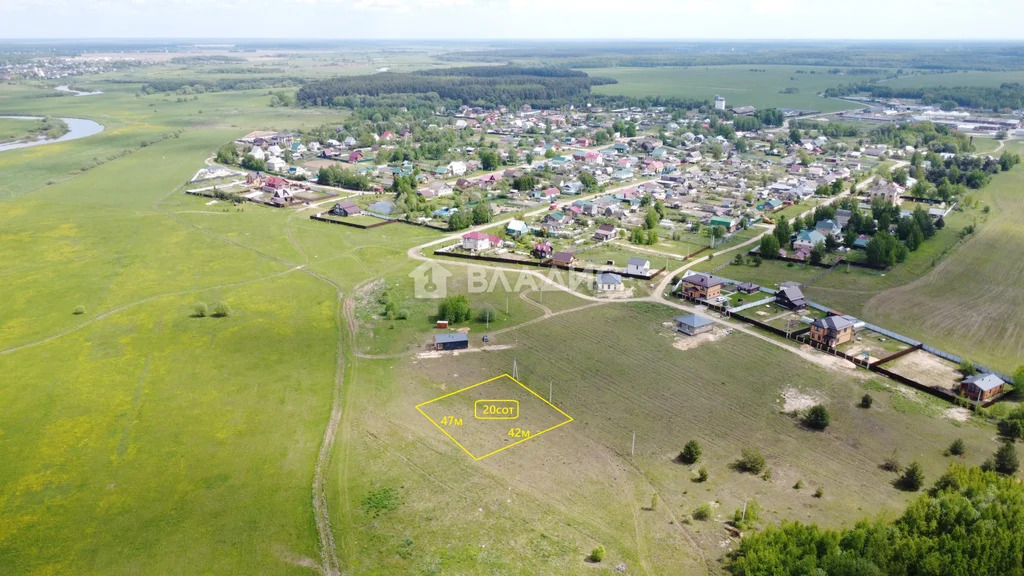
(77, 128)
(67, 88)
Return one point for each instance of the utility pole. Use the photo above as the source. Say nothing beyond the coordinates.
(515, 369)
(506, 304)
(632, 449)
(551, 388)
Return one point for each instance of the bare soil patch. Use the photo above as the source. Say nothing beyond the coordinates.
(926, 368)
(684, 342)
(794, 400)
(958, 414)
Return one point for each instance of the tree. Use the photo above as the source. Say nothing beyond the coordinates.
(769, 246)
(481, 213)
(597, 554)
(782, 232)
(817, 418)
(652, 237)
(716, 150)
(1006, 461)
(650, 220)
(751, 461)
(912, 478)
(227, 154)
(221, 310)
(489, 159)
(866, 401)
(454, 309)
(250, 162)
(957, 448)
(691, 452)
(818, 253)
(201, 310)
(702, 475)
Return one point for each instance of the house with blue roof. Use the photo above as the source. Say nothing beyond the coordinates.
(808, 239)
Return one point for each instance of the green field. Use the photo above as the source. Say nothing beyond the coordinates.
(959, 78)
(739, 85)
(624, 376)
(12, 129)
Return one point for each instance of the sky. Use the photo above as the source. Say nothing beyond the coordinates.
(515, 19)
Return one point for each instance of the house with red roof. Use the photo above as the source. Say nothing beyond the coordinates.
(274, 183)
(478, 241)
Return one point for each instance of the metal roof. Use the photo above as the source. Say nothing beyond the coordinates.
(985, 382)
(451, 337)
(694, 320)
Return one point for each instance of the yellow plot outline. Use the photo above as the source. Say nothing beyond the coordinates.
(419, 407)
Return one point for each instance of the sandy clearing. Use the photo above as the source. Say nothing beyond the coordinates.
(684, 342)
(795, 400)
(833, 363)
(958, 414)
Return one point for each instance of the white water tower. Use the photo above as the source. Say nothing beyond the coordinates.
(719, 102)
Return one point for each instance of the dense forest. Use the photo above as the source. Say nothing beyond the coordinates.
(194, 86)
(1009, 95)
(968, 524)
(856, 56)
(489, 86)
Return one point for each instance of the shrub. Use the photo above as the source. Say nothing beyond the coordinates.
(866, 401)
(745, 517)
(703, 512)
(799, 484)
(454, 309)
(380, 501)
(221, 310)
(751, 461)
(654, 501)
(201, 310)
(767, 476)
(817, 418)
(690, 453)
(79, 310)
(597, 554)
(912, 478)
(957, 448)
(820, 492)
(702, 475)
(892, 464)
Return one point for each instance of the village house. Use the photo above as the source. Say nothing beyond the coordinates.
(517, 228)
(693, 324)
(829, 228)
(981, 387)
(832, 331)
(346, 209)
(565, 259)
(701, 287)
(478, 241)
(638, 266)
(791, 297)
(543, 250)
(889, 192)
(604, 233)
(808, 239)
(274, 183)
(608, 282)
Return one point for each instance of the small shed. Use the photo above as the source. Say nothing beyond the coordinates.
(452, 341)
(693, 324)
(442, 324)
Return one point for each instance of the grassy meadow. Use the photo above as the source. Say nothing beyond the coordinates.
(759, 86)
(555, 497)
